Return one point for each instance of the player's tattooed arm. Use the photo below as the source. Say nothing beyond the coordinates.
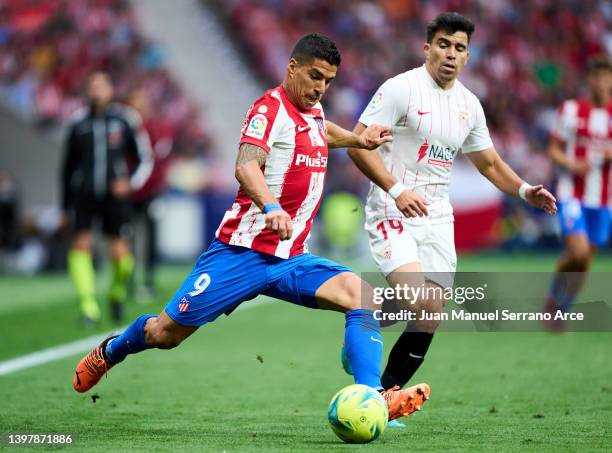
(248, 173)
(251, 178)
(370, 138)
(248, 152)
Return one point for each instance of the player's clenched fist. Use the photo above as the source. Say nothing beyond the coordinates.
(280, 222)
(411, 204)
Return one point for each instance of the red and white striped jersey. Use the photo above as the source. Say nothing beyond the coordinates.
(430, 126)
(586, 132)
(294, 171)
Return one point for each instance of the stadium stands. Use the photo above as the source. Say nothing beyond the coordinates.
(525, 57)
(50, 46)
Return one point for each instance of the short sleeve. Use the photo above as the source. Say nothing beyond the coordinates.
(386, 106)
(478, 139)
(564, 122)
(260, 125)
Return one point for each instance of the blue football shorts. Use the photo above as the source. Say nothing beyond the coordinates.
(594, 223)
(226, 275)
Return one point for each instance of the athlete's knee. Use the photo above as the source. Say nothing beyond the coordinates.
(427, 312)
(119, 248)
(345, 292)
(82, 241)
(580, 258)
(349, 300)
(359, 294)
(426, 325)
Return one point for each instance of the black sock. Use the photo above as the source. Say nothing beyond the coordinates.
(405, 358)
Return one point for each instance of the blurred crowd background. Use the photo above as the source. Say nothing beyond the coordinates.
(525, 58)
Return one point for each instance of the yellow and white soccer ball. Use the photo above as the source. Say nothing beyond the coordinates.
(358, 414)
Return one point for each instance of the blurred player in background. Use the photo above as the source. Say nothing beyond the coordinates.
(261, 243)
(107, 156)
(145, 224)
(409, 217)
(581, 146)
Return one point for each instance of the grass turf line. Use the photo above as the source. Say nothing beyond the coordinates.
(503, 391)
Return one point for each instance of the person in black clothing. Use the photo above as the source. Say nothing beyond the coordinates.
(107, 157)
(9, 235)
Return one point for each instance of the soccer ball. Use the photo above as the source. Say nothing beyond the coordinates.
(358, 414)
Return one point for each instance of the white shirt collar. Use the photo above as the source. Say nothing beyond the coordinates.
(432, 83)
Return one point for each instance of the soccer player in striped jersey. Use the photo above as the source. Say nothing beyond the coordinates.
(409, 218)
(581, 146)
(261, 242)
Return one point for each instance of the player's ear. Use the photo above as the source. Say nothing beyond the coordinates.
(292, 67)
(426, 49)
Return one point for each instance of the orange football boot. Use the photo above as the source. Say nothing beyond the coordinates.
(405, 402)
(91, 368)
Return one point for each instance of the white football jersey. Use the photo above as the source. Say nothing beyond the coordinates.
(429, 126)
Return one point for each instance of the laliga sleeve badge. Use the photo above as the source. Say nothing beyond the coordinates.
(257, 127)
(376, 101)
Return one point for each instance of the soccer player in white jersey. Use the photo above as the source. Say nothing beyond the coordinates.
(260, 246)
(581, 146)
(409, 218)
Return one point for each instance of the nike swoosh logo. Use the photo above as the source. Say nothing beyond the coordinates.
(78, 378)
(376, 340)
(414, 356)
(422, 113)
(303, 128)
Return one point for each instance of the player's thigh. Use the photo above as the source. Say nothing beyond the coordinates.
(223, 277)
(316, 282)
(116, 217)
(598, 226)
(578, 248)
(571, 220)
(437, 254)
(345, 292)
(392, 244)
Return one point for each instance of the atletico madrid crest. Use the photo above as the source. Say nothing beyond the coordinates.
(184, 304)
(321, 126)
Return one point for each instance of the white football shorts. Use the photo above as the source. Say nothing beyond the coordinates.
(394, 243)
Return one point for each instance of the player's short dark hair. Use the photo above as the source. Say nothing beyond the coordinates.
(599, 63)
(450, 23)
(314, 46)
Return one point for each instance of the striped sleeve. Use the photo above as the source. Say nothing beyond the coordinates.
(258, 127)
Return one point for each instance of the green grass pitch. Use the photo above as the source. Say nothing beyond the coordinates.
(261, 380)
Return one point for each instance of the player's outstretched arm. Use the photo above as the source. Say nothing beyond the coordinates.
(371, 165)
(493, 167)
(248, 173)
(369, 138)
